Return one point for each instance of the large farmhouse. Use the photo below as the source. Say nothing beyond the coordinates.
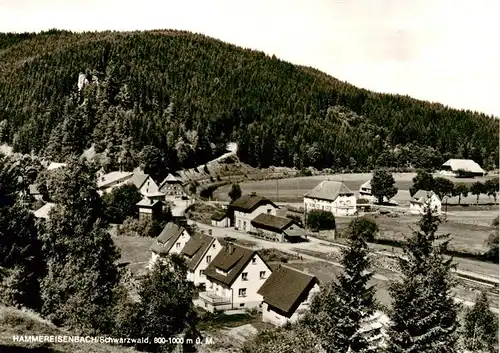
(454, 167)
(171, 240)
(233, 278)
(331, 196)
(277, 228)
(423, 199)
(144, 183)
(199, 252)
(287, 294)
(247, 207)
(171, 187)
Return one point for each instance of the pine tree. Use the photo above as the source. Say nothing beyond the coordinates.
(424, 316)
(340, 308)
(481, 327)
(79, 288)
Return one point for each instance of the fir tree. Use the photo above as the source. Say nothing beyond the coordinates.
(481, 327)
(424, 316)
(338, 311)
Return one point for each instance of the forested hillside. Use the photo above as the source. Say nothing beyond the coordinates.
(176, 98)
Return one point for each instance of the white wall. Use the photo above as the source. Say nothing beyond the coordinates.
(198, 278)
(149, 186)
(269, 315)
(416, 208)
(337, 207)
(241, 217)
(182, 240)
(252, 285)
(224, 223)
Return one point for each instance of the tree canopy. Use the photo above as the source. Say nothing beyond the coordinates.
(174, 99)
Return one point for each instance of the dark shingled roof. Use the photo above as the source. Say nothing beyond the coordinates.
(167, 238)
(195, 249)
(286, 288)
(270, 222)
(250, 202)
(233, 259)
(219, 216)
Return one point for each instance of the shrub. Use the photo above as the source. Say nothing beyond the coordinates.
(321, 220)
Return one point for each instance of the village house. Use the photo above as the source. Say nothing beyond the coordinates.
(287, 294)
(221, 219)
(366, 189)
(149, 209)
(247, 207)
(233, 278)
(171, 187)
(453, 167)
(144, 183)
(423, 199)
(199, 252)
(275, 228)
(331, 196)
(171, 240)
(54, 165)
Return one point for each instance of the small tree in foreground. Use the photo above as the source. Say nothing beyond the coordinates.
(461, 190)
(383, 185)
(321, 220)
(339, 309)
(481, 327)
(423, 315)
(165, 308)
(477, 189)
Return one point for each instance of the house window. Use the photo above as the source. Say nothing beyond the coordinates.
(268, 211)
(244, 276)
(245, 225)
(211, 285)
(202, 272)
(254, 261)
(262, 274)
(209, 258)
(239, 223)
(178, 245)
(213, 246)
(242, 292)
(242, 305)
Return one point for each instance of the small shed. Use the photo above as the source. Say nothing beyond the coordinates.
(277, 228)
(220, 219)
(149, 209)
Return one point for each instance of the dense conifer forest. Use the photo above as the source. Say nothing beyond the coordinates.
(178, 97)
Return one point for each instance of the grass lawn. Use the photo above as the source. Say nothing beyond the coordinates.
(293, 189)
(134, 251)
(217, 321)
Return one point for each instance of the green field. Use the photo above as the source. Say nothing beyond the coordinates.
(134, 251)
(293, 189)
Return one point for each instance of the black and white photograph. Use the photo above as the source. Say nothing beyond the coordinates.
(249, 176)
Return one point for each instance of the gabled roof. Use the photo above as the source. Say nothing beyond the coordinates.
(465, 164)
(249, 202)
(55, 165)
(167, 238)
(329, 190)
(422, 196)
(196, 248)
(219, 216)
(231, 259)
(43, 212)
(366, 185)
(270, 222)
(286, 288)
(138, 179)
(145, 202)
(170, 179)
(111, 178)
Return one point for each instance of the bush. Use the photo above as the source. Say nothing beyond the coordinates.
(304, 172)
(321, 220)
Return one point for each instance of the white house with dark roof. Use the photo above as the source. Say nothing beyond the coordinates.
(220, 219)
(233, 279)
(331, 196)
(287, 295)
(247, 207)
(423, 199)
(149, 209)
(171, 240)
(199, 252)
(366, 188)
(144, 183)
(452, 167)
